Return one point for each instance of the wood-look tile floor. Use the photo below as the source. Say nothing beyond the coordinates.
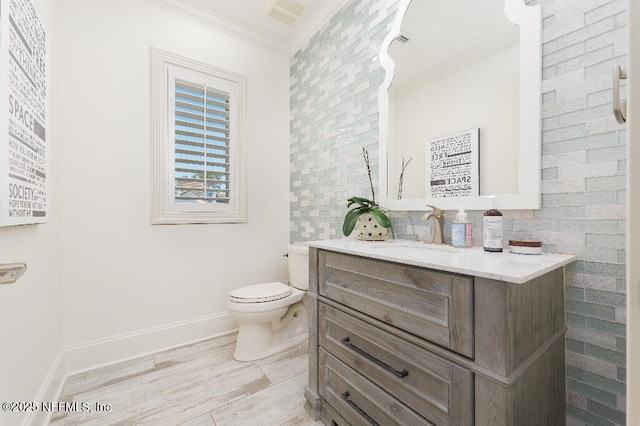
(195, 385)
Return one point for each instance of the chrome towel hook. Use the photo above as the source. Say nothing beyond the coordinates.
(619, 108)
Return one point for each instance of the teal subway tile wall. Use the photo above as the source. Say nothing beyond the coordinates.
(334, 113)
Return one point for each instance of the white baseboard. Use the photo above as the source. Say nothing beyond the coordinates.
(49, 390)
(98, 353)
(101, 352)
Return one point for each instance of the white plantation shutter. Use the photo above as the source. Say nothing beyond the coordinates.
(203, 150)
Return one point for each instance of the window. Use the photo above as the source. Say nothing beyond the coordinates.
(198, 151)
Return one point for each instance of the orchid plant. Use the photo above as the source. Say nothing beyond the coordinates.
(365, 205)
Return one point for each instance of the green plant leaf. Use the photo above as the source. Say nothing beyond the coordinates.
(350, 220)
(362, 202)
(382, 218)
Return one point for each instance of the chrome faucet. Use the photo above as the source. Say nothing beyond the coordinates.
(438, 224)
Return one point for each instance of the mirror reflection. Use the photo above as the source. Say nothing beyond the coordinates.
(457, 71)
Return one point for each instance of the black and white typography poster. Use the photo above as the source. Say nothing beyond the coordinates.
(452, 168)
(24, 151)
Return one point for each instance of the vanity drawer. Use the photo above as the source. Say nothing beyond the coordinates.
(435, 388)
(357, 400)
(433, 305)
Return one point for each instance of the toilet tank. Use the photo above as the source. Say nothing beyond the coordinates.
(298, 265)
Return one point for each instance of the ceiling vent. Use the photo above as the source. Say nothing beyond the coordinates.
(286, 11)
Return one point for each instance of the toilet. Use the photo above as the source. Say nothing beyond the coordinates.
(272, 317)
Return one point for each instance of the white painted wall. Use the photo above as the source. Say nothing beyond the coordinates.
(481, 93)
(30, 309)
(130, 287)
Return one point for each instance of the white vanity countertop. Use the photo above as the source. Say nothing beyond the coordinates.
(505, 266)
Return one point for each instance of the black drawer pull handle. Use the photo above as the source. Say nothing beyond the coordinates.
(360, 411)
(402, 374)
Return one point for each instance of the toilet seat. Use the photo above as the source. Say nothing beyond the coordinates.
(260, 293)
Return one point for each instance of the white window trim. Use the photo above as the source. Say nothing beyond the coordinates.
(163, 206)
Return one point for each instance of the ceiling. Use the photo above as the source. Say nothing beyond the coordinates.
(248, 19)
(439, 34)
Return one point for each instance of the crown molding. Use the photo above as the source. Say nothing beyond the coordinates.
(302, 37)
(238, 30)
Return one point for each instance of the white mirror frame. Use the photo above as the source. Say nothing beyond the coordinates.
(528, 18)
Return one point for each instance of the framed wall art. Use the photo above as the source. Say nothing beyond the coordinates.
(453, 165)
(24, 148)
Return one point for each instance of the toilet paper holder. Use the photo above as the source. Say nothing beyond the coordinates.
(10, 272)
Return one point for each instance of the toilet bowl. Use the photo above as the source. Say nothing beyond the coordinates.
(272, 317)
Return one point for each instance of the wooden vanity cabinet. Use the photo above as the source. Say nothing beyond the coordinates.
(398, 344)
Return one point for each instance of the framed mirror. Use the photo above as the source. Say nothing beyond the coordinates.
(461, 100)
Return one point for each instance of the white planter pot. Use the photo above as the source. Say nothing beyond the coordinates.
(370, 230)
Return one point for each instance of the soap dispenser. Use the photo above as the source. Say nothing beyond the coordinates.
(461, 230)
